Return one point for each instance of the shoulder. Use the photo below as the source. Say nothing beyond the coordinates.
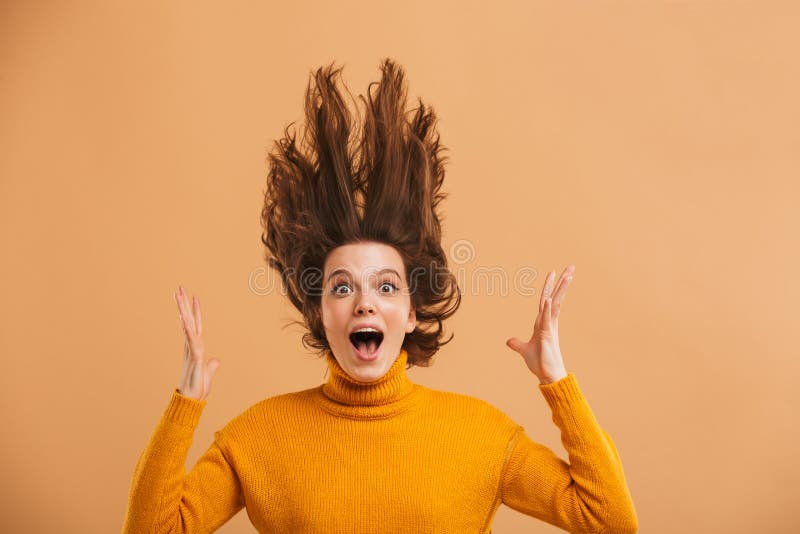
(475, 409)
(267, 414)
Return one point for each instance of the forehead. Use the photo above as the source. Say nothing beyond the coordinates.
(364, 258)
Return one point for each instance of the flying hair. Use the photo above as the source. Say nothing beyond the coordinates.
(375, 179)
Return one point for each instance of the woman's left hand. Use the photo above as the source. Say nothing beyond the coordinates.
(542, 353)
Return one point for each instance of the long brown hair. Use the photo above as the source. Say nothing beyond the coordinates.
(381, 182)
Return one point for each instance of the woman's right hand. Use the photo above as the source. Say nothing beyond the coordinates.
(197, 373)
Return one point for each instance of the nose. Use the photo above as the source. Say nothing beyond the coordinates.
(364, 307)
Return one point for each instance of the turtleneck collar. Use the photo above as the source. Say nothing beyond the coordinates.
(389, 395)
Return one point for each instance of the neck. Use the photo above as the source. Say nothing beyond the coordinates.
(390, 394)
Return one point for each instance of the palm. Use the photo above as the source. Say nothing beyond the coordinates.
(541, 352)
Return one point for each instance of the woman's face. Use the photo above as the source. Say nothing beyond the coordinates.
(364, 285)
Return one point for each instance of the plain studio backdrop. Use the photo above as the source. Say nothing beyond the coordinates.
(654, 145)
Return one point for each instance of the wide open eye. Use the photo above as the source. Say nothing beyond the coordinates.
(390, 285)
(336, 288)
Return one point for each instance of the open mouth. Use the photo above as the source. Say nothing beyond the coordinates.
(366, 342)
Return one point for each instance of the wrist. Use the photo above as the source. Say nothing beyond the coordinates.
(552, 377)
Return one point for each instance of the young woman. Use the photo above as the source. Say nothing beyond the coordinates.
(351, 225)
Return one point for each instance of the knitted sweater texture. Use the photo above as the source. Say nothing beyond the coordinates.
(386, 456)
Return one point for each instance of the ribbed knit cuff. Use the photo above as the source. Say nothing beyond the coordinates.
(564, 391)
(183, 410)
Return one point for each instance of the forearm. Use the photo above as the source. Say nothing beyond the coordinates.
(595, 467)
(158, 477)
(588, 494)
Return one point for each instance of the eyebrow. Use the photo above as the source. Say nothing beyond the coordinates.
(342, 270)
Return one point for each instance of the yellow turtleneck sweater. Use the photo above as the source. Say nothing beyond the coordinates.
(387, 456)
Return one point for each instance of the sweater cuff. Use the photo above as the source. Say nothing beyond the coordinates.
(564, 391)
(183, 410)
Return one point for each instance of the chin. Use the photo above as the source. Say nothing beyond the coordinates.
(368, 370)
(366, 375)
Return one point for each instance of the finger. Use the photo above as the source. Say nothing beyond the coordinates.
(179, 302)
(561, 292)
(188, 317)
(568, 270)
(197, 316)
(181, 312)
(551, 286)
(514, 344)
(546, 287)
(537, 324)
(191, 347)
(547, 312)
(559, 298)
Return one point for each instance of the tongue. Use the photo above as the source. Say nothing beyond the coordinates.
(368, 347)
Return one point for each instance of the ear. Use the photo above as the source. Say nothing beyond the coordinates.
(412, 320)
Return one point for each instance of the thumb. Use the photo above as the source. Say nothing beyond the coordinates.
(211, 369)
(514, 344)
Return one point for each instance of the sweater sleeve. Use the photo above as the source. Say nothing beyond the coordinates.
(163, 498)
(588, 494)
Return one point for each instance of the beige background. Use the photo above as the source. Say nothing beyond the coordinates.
(652, 144)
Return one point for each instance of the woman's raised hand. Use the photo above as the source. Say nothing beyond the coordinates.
(197, 372)
(541, 352)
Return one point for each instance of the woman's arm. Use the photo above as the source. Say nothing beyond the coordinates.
(163, 498)
(588, 494)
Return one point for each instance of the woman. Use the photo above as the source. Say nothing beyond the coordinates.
(352, 227)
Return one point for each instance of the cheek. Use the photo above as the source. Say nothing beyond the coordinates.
(325, 312)
(334, 313)
(396, 312)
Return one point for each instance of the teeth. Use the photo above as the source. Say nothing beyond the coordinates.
(366, 330)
